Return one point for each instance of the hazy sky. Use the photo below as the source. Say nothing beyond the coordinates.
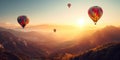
(56, 11)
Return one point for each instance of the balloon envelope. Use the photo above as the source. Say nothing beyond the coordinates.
(54, 30)
(23, 20)
(95, 13)
(69, 5)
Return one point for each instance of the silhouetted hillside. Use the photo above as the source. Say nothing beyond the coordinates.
(109, 51)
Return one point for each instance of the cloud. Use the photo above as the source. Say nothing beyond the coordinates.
(105, 35)
(7, 25)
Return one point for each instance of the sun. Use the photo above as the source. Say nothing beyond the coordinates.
(80, 22)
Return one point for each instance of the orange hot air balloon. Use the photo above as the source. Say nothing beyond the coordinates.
(95, 13)
(69, 5)
(23, 20)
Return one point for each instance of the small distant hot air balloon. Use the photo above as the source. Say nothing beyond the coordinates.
(54, 30)
(95, 13)
(69, 5)
(23, 20)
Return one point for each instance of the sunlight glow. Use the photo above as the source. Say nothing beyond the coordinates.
(81, 22)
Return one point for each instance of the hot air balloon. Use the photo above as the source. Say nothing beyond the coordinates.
(95, 13)
(69, 5)
(54, 30)
(23, 20)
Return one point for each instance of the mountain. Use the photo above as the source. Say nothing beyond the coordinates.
(44, 41)
(32, 44)
(109, 34)
(20, 46)
(106, 35)
(5, 55)
(109, 51)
